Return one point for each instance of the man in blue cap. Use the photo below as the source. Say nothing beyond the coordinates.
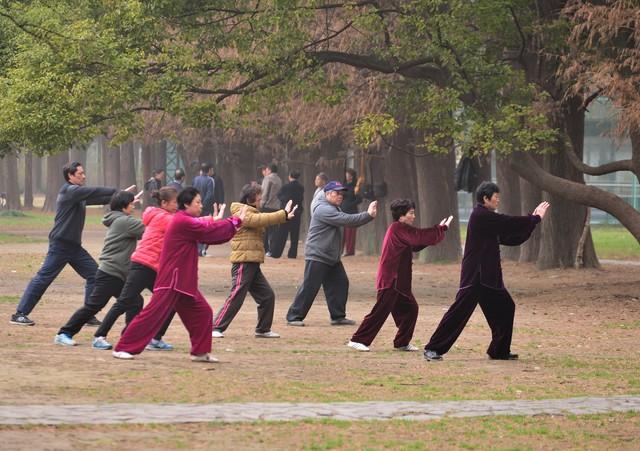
(322, 257)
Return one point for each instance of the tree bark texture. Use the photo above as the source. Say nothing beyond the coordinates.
(55, 179)
(146, 157)
(530, 197)
(28, 180)
(510, 202)
(127, 166)
(10, 164)
(111, 166)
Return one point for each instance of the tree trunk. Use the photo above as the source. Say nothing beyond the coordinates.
(530, 196)
(438, 199)
(127, 165)
(510, 203)
(111, 166)
(79, 154)
(55, 179)
(11, 175)
(146, 170)
(38, 173)
(28, 180)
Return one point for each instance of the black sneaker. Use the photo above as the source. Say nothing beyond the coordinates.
(94, 322)
(511, 356)
(342, 322)
(21, 319)
(432, 355)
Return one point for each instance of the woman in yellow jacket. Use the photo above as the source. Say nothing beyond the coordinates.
(247, 253)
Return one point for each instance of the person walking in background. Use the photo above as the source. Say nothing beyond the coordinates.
(271, 185)
(320, 181)
(142, 272)
(154, 184)
(176, 287)
(218, 192)
(178, 181)
(65, 241)
(393, 282)
(205, 185)
(481, 276)
(322, 258)
(123, 232)
(292, 191)
(352, 199)
(247, 253)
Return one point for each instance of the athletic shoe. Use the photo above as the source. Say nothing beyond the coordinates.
(20, 319)
(342, 322)
(101, 343)
(217, 334)
(296, 323)
(270, 334)
(432, 355)
(64, 340)
(507, 357)
(358, 346)
(94, 322)
(204, 358)
(409, 348)
(122, 355)
(158, 345)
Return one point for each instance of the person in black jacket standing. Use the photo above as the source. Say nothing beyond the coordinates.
(65, 240)
(352, 199)
(292, 191)
(481, 276)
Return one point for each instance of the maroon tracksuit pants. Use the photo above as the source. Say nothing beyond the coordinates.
(404, 310)
(350, 240)
(195, 313)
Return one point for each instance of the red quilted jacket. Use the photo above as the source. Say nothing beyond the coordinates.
(156, 221)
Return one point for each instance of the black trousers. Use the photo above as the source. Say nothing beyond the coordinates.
(335, 284)
(498, 308)
(269, 232)
(130, 300)
(290, 228)
(247, 278)
(104, 287)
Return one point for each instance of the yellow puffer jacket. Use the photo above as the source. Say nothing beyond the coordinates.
(247, 245)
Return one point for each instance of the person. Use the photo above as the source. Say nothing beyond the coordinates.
(218, 192)
(142, 272)
(481, 276)
(178, 180)
(271, 185)
(393, 281)
(65, 241)
(154, 184)
(247, 253)
(292, 191)
(123, 232)
(322, 258)
(176, 286)
(261, 172)
(205, 184)
(320, 181)
(352, 199)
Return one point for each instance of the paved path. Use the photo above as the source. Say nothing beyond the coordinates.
(242, 412)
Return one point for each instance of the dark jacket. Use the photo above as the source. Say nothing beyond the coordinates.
(351, 199)
(71, 206)
(206, 186)
(218, 192)
(292, 191)
(176, 185)
(485, 232)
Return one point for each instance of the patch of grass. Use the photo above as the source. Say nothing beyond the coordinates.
(36, 220)
(9, 299)
(10, 238)
(615, 242)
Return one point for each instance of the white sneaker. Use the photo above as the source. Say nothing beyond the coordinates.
(408, 348)
(217, 334)
(64, 340)
(122, 355)
(270, 334)
(358, 346)
(205, 358)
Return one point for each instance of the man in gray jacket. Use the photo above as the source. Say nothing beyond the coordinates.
(322, 257)
(271, 185)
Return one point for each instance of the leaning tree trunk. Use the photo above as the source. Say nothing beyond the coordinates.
(509, 183)
(530, 197)
(437, 199)
(28, 180)
(55, 179)
(563, 226)
(11, 175)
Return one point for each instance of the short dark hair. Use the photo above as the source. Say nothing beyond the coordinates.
(353, 173)
(166, 193)
(249, 193)
(294, 175)
(273, 168)
(204, 167)
(158, 171)
(323, 176)
(120, 200)
(486, 189)
(179, 174)
(401, 207)
(186, 196)
(70, 169)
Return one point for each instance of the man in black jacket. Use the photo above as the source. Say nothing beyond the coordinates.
(293, 191)
(65, 240)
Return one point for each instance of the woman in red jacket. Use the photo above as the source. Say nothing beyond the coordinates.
(393, 282)
(143, 270)
(176, 286)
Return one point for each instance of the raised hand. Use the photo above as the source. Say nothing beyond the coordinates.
(541, 209)
(373, 209)
(292, 213)
(218, 214)
(446, 221)
(131, 188)
(138, 197)
(287, 207)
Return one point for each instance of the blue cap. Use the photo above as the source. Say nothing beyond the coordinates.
(334, 186)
